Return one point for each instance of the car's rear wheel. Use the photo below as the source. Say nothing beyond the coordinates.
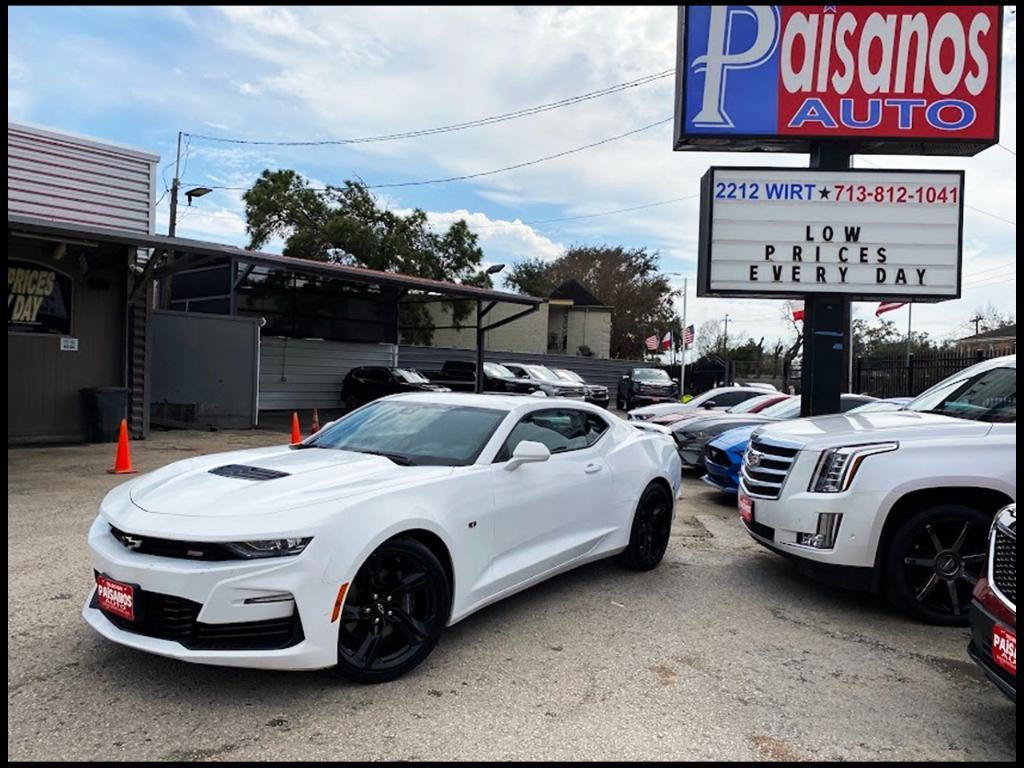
(394, 612)
(652, 527)
(934, 560)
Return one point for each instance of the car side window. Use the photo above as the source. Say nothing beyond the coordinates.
(732, 398)
(561, 430)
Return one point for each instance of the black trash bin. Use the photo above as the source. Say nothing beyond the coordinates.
(104, 409)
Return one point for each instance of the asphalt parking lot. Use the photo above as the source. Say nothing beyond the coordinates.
(723, 652)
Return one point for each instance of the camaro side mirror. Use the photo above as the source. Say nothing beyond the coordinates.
(527, 452)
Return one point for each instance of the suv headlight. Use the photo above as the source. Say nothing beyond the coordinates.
(838, 466)
(252, 550)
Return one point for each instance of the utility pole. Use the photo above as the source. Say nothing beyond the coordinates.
(174, 190)
(682, 366)
(910, 312)
(976, 320)
(725, 335)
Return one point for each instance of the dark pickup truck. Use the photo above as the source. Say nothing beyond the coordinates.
(644, 386)
(460, 376)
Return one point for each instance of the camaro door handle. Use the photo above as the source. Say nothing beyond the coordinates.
(592, 467)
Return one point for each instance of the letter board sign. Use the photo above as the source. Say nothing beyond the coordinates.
(867, 234)
(907, 79)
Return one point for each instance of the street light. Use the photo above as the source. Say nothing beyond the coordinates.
(494, 269)
(197, 192)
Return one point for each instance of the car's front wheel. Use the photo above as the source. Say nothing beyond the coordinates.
(933, 562)
(652, 527)
(394, 612)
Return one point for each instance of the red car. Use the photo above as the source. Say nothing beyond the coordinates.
(994, 607)
(753, 405)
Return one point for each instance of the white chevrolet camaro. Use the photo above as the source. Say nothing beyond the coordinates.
(355, 548)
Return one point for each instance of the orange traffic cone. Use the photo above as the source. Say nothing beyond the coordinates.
(123, 459)
(296, 432)
(316, 421)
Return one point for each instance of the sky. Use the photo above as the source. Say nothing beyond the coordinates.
(138, 76)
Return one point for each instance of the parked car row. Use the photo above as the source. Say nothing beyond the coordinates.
(368, 383)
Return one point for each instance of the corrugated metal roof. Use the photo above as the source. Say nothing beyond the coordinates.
(57, 230)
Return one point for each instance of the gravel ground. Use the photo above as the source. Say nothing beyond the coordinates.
(722, 653)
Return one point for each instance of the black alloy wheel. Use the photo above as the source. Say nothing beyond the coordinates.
(935, 560)
(394, 612)
(652, 527)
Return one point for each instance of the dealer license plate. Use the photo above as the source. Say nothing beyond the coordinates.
(1004, 649)
(116, 597)
(746, 505)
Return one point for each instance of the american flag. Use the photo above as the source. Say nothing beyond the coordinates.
(688, 335)
(888, 306)
(651, 342)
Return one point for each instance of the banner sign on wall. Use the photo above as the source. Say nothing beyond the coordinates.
(867, 234)
(38, 299)
(906, 79)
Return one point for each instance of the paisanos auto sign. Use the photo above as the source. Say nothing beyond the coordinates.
(782, 75)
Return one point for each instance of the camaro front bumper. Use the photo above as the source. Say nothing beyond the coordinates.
(272, 613)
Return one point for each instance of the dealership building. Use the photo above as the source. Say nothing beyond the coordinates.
(236, 331)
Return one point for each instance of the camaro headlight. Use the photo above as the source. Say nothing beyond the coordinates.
(252, 550)
(838, 466)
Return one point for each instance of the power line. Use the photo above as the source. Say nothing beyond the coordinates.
(454, 126)
(991, 215)
(468, 176)
(973, 208)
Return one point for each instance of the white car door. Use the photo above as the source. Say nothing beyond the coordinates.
(552, 512)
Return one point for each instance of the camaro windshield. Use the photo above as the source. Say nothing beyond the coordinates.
(987, 396)
(413, 433)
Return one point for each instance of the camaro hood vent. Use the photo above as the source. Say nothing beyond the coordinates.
(244, 472)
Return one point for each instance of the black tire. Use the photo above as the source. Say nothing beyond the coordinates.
(933, 561)
(394, 612)
(651, 530)
(351, 403)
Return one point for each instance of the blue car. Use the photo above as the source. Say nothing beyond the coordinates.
(723, 457)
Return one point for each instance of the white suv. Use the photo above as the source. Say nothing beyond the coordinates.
(898, 501)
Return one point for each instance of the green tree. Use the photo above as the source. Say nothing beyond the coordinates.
(626, 279)
(345, 225)
(886, 339)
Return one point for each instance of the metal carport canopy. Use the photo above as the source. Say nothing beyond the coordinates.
(197, 252)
